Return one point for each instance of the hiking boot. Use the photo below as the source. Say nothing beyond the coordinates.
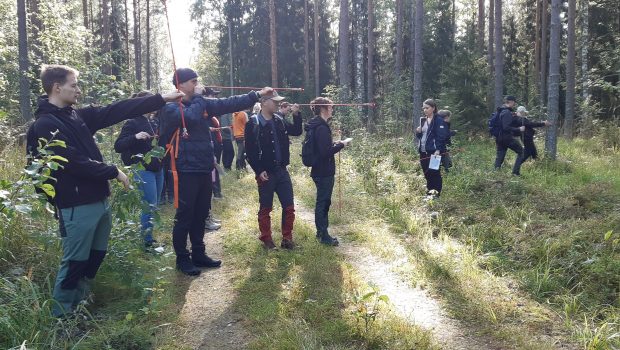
(185, 265)
(287, 244)
(218, 196)
(205, 261)
(329, 240)
(213, 219)
(212, 226)
(269, 245)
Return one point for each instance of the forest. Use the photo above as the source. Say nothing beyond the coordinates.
(499, 262)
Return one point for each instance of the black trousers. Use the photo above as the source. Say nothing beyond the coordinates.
(503, 145)
(217, 151)
(228, 154)
(433, 177)
(324, 190)
(194, 205)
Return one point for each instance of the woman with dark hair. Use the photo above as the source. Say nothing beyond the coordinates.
(431, 138)
(136, 138)
(324, 165)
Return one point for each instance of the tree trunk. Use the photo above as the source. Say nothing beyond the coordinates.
(343, 49)
(306, 46)
(499, 55)
(230, 56)
(371, 64)
(317, 81)
(273, 43)
(398, 60)
(359, 52)
(481, 26)
(543, 53)
(537, 41)
(127, 34)
(570, 72)
(85, 13)
(105, 33)
(36, 27)
(585, 45)
(137, 40)
(24, 64)
(553, 102)
(417, 63)
(490, 55)
(148, 45)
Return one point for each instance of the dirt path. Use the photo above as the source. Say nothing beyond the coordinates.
(208, 320)
(412, 304)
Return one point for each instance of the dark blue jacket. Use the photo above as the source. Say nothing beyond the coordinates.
(325, 148)
(128, 146)
(438, 134)
(195, 154)
(84, 178)
(259, 142)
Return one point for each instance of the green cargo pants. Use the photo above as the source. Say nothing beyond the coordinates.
(84, 231)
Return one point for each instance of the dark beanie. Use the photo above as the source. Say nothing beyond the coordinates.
(184, 75)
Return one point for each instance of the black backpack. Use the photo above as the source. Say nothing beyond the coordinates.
(308, 152)
(495, 124)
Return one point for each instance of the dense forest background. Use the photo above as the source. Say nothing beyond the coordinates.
(561, 59)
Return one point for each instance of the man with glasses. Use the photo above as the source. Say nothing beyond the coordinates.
(267, 149)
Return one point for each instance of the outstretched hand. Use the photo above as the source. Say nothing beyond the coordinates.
(172, 96)
(266, 92)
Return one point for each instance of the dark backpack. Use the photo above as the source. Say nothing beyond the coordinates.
(495, 124)
(308, 153)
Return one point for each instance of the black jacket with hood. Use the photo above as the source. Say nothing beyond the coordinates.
(324, 147)
(84, 177)
(128, 146)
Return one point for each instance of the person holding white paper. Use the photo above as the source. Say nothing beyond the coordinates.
(431, 136)
(324, 167)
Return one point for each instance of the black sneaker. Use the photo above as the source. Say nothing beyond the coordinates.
(185, 265)
(269, 245)
(205, 261)
(329, 240)
(287, 244)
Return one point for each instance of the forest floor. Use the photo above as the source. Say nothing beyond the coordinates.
(402, 277)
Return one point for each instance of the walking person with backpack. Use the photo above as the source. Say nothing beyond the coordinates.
(446, 159)
(267, 149)
(502, 127)
(318, 151)
(186, 130)
(431, 135)
(81, 184)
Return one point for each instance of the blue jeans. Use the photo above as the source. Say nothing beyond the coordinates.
(324, 189)
(151, 184)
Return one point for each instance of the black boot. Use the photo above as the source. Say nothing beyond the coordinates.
(185, 265)
(328, 240)
(200, 259)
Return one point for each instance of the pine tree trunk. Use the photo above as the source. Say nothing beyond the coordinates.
(306, 46)
(359, 52)
(137, 40)
(36, 27)
(371, 64)
(585, 45)
(570, 72)
(127, 34)
(85, 13)
(417, 63)
(105, 33)
(398, 60)
(553, 101)
(317, 77)
(490, 55)
(537, 41)
(148, 45)
(343, 49)
(481, 26)
(230, 57)
(24, 64)
(543, 53)
(273, 43)
(499, 55)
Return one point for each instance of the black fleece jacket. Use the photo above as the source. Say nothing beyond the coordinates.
(259, 142)
(324, 147)
(128, 146)
(84, 177)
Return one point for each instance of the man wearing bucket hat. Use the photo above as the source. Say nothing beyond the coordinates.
(267, 149)
(187, 138)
